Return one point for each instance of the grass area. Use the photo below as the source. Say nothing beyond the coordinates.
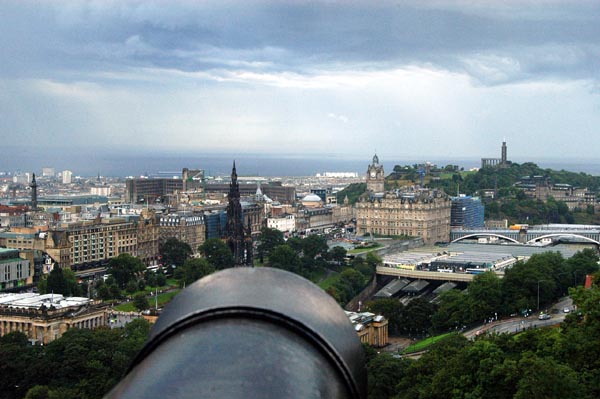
(365, 249)
(328, 281)
(126, 307)
(424, 344)
(166, 297)
(163, 299)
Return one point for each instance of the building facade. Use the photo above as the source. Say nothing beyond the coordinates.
(44, 318)
(371, 329)
(375, 176)
(14, 271)
(149, 191)
(421, 213)
(188, 228)
(285, 223)
(467, 212)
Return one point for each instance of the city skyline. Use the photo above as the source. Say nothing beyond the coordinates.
(442, 80)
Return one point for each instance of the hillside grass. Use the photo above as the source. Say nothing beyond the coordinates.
(427, 342)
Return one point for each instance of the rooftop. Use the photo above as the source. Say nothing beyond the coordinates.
(36, 301)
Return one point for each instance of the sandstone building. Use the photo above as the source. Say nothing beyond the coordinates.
(412, 212)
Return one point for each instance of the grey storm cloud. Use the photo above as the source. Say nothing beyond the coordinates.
(493, 43)
(412, 78)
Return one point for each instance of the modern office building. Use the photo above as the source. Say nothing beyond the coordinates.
(467, 212)
(274, 190)
(14, 271)
(150, 191)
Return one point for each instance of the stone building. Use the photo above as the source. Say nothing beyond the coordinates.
(148, 237)
(416, 213)
(501, 162)
(371, 329)
(44, 318)
(189, 228)
(94, 242)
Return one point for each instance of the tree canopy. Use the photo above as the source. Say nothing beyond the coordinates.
(217, 253)
(125, 268)
(174, 252)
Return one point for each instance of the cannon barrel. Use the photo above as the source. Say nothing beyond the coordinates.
(249, 333)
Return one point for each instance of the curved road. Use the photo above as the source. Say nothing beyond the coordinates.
(518, 324)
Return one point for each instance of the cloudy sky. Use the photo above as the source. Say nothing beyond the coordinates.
(408, 79)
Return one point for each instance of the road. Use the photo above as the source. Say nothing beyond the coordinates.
(518, 324)
(120, 319)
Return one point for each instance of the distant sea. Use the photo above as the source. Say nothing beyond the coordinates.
(130, 163)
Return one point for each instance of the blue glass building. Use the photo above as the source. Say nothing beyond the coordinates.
(467, 212)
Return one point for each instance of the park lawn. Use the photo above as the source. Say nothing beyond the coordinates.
(125, 307)
(163, 299)
(424, 344)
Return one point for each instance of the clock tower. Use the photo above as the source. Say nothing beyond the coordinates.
(375, 176)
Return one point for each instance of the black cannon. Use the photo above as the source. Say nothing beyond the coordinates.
(249, 333)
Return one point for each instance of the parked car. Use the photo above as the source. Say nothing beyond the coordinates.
(566, 310)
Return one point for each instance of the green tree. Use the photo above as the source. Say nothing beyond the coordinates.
(581, 264)
(391, 309)
(192, 270)
(114, 291)
(417, 316)
(383, 373)
(57, 282)
(284, 257)
(217, 253)
(545, 378)
(314, 245)
(353, 192)
(104, 292)
(131, 287)
(485, 296)
(174, 252)
(354, 278)
(453, 311)
(140, 301)
(268, 240)
(38, 392)
(161, 280)
(125, 268)
(295, 243)
(338, 254)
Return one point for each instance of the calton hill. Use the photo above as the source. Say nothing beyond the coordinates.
(504, 191)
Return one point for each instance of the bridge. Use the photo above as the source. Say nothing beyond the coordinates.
(427, 275)
(590, 234)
